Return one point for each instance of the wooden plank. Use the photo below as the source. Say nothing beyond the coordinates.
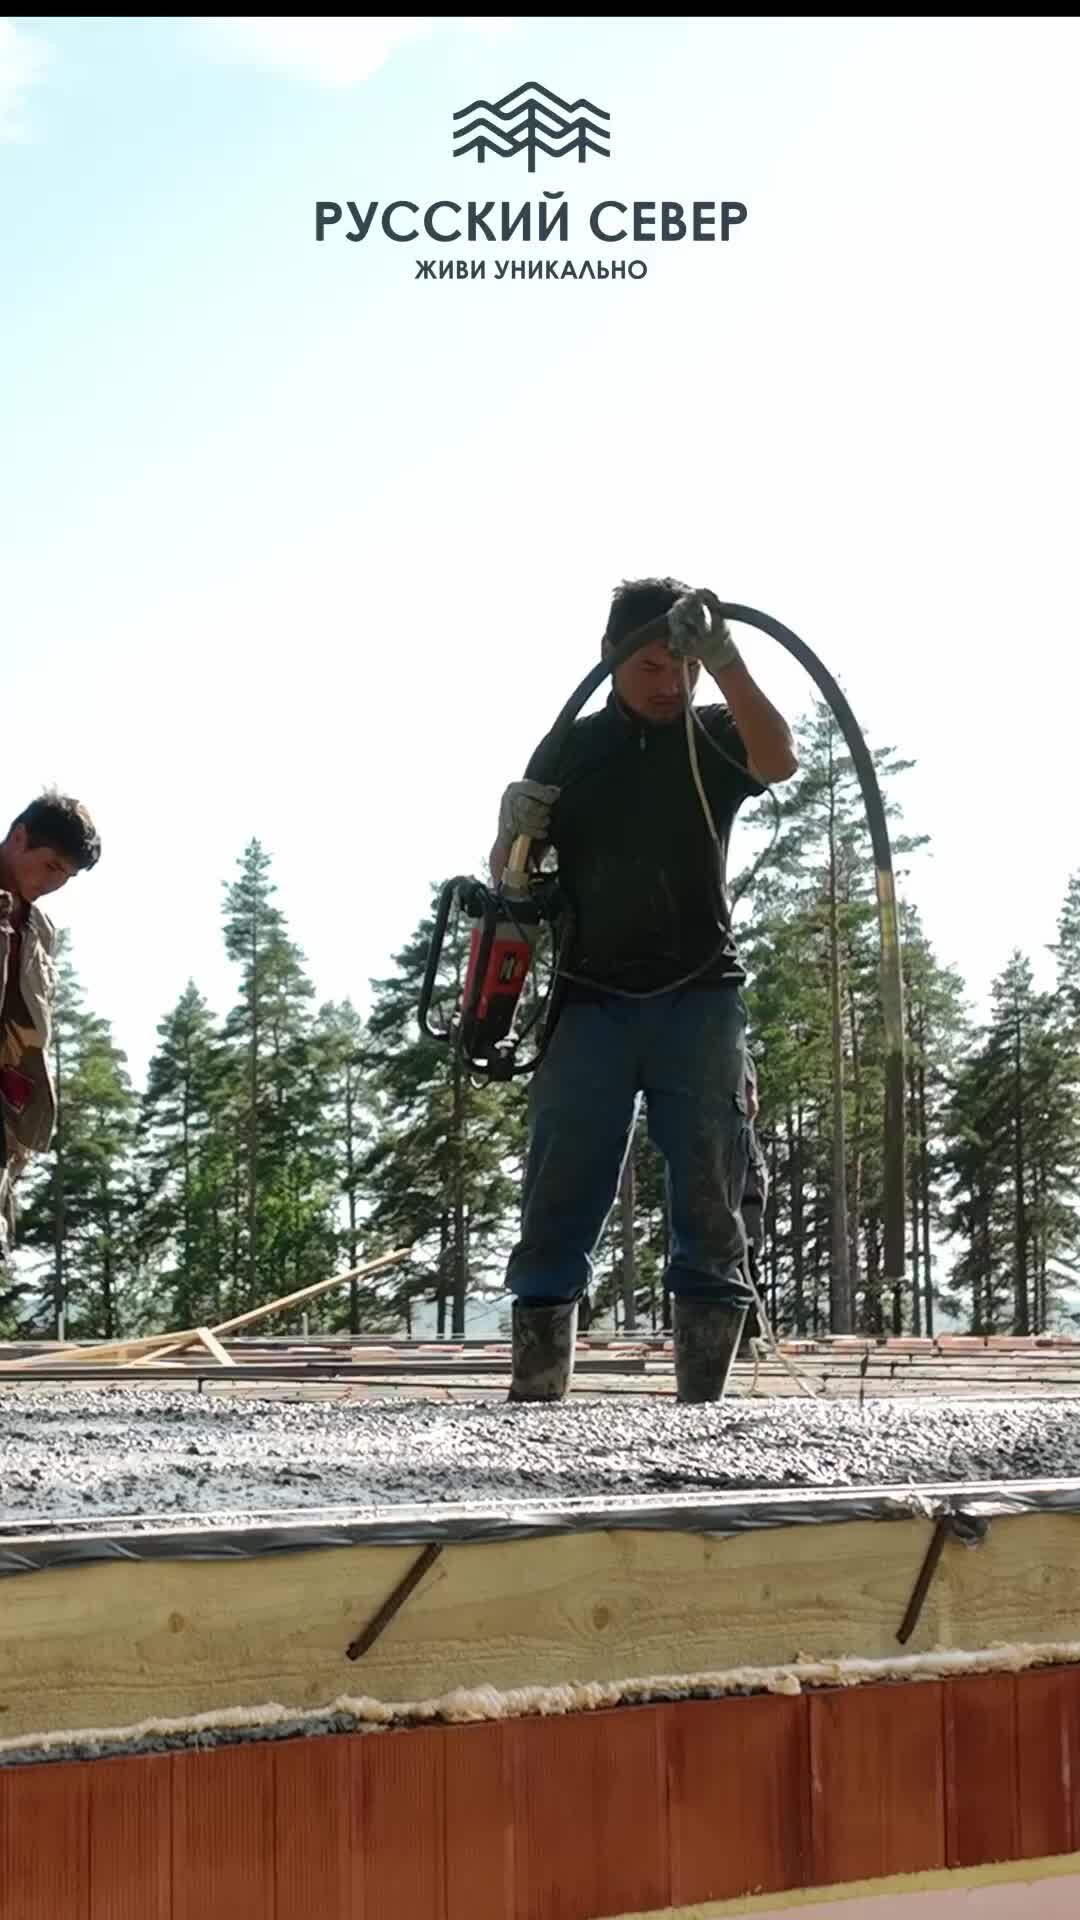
(982, 1771)
(738, 1797)
(111, 1644)
(590, 1814)
(1048, 1742)
(214, 1348)
(223, 1847)
(399, 1813)
(480, 1850)
(313, 1292)
(118, 1350)
(130, 1838)
(316, 1873)
(44, 1843)
(173, 1352)
(877, 1782)
(175, 1342)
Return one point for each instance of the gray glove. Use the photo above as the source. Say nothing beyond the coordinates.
(525, 808)
(697, 632)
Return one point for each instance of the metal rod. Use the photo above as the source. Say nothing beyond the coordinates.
(365, 1640)
(922, 1585)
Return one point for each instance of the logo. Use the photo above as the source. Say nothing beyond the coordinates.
(524, 235)
(532, 120)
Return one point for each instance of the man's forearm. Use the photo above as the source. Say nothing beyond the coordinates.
(770, 749)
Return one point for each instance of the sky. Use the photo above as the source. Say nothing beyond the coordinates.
(295, 546)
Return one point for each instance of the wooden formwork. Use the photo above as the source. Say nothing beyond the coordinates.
(106, 1629)
(622, 1709)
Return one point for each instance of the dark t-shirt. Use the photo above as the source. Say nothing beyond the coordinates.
(637, 863)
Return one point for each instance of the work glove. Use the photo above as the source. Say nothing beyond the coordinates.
(525, 808)
(696, 632)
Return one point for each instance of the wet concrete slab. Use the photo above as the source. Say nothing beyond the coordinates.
(72, 1454)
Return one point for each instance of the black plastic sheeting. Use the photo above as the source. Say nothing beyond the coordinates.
(27, 1550)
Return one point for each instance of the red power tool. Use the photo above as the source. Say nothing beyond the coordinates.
(507, 922)
(506, 929)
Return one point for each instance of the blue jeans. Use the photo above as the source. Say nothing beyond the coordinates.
(686, 1053)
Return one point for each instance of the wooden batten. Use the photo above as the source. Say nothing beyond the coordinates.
(115, 1644)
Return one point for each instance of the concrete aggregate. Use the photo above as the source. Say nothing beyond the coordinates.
(77, 1455)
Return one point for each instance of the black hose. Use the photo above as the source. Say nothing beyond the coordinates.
(894, 1144)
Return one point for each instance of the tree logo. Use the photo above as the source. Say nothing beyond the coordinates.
(533, 120)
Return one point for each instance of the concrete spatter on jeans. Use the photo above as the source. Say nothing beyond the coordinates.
(685, 1052)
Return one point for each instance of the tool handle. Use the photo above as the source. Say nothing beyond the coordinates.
(515, 874)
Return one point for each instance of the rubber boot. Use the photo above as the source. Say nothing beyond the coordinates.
(707, 1335)
(543, 1350)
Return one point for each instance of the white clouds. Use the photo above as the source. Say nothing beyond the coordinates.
(332, 51)
(22, 61)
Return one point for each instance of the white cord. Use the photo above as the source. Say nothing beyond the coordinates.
(691, 748)
(763, 1318)
(771, 1342)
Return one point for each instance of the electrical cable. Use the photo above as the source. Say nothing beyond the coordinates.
(765, 1325)
(746, 880)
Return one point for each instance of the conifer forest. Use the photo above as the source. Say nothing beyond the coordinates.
(222, 1182)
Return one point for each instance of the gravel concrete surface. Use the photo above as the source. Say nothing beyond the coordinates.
(82, 1454)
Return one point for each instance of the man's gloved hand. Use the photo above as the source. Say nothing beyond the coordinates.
(698, 633)
(525, 808)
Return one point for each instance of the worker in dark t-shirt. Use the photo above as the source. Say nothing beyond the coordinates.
(649, 989)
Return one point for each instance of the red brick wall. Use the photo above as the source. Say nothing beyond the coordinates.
(558, 1819)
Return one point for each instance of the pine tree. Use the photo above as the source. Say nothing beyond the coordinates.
(1053, 1143)
(442, 1173)
(81, 1217)
(1013, 1158)
(975, 1166)
(179, 1163)
(254, 931)
(790, 1027)
(937, 1031)
(51, 1210)
(286, 1235)
(298, 1200)
(101, 1199)
(1066, 952)
(346, 1103)
(814, 902)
